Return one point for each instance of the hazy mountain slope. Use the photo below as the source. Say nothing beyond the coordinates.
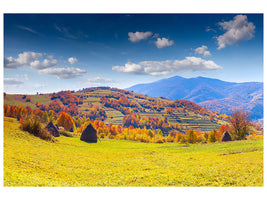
(213, 94)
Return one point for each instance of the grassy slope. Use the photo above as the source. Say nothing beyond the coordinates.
(16, 100)
(29, 161)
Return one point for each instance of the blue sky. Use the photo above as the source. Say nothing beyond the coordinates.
(48, 53)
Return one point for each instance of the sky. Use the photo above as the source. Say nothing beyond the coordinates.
(54, 52)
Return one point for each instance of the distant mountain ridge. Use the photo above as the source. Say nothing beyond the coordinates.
(214, 94)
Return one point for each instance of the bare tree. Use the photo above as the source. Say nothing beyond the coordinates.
(239, 123)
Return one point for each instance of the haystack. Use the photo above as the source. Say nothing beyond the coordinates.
(226, 137)
(89, 134)
(52, 129)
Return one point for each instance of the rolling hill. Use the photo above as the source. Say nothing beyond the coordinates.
(111, 105)
(213, 94)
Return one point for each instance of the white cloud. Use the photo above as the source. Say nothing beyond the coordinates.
(23, 59)
(12, 81)
(237, 30)
(72, 60)
(137, 36)
(156, 68)
(63, 73)
(30, 59)
(203, 50)
(163, 42)
(43, 65)
(130, 68)
(27, 29)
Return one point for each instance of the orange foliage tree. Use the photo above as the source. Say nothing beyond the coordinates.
(66, 121)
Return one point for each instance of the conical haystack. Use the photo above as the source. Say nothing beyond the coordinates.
(226, 137)
(52, 129)
(89, 134)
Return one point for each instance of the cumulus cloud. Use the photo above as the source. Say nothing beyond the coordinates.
(203, 50)
(29, 59)
(63, 73)
(163, 42)
(156, 68)
(238, 29)
(137, 36)
(12, 81)
(23, 59)
(72, 60)
(130, 68)
(43, 65)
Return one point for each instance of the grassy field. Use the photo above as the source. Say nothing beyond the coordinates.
(30, 161)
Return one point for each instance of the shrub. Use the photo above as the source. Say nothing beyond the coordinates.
(191, 136)
(180, 138)
(254, 137)
(212, 137)
(170, 138)
(100, 134)
(63, 132)
(201, 139)
(33, 126)
(158, 139)
(206, 135)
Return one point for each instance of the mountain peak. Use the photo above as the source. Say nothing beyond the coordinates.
(202, 89)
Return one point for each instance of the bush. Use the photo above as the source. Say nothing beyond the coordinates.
(101, 135)
(170, 138)
(191, 136)
(254, 137)
(212, 137)
(180, 138)
(33, 126)
(201, 139)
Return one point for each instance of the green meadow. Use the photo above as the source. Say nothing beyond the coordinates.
(30, 161)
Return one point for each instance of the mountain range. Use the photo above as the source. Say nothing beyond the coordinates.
(214, 94)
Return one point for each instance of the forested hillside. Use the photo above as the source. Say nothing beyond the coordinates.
(122, 107)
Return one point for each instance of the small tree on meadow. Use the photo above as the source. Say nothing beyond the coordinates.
(66, 121)
(239, 124)
(191, 136)
(212, 137)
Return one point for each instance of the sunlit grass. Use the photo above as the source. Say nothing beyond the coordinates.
(30, 161)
